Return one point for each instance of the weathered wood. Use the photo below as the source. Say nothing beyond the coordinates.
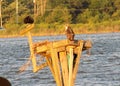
(32, 52)
(64, 70)
(63, 73)
(27, 29)
(64, 67)
(77, 61)
(48, 59)
(41, 66)
(56, 44)
(56, 66)
(71, 65)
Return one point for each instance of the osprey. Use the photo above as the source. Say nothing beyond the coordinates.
(69, 33)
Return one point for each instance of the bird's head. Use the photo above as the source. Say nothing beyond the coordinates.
(66, 26)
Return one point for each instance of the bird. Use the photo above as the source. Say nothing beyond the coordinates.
(69, 33)
(28, 20)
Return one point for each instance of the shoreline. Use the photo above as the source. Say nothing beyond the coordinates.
(54, 34)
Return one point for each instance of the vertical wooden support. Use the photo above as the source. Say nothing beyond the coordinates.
(56, 65)
(64, 67)
(50, 66)
(70, 66)
(79, 51)
(67, 75)
(32, 52)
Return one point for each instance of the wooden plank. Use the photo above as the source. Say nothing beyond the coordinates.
(60, 43)
(27, 29)
(56, 44)
(56, 66)
(64, 67)
(41, 66)
(48, 59)
(71, 66)
(60, 49)
(32, 52)
(42, 48)
(77, 61)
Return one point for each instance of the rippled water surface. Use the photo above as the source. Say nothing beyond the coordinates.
(101, 68)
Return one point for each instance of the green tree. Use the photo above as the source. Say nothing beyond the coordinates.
(59, 15)
(61, 11)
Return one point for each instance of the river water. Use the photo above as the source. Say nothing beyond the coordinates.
(101, 68)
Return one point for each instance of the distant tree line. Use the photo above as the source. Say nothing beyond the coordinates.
(61, 11)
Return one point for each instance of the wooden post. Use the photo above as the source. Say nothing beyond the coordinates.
(56, 66)
(51, 66)
(64, 67)
(32, 52)
(70, 66)
(79, 51)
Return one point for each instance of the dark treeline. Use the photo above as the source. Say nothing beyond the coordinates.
(61, 11)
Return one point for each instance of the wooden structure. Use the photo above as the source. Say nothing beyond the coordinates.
(62, 57)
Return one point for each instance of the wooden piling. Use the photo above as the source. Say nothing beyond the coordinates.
(79, 51)
(64, 70)
(56, 65)
(60, 57)
(64, 67)
(70, 65)
(32, 52)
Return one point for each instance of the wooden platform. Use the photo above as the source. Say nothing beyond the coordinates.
(61, 56)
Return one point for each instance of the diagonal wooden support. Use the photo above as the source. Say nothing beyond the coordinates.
(50, 66)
